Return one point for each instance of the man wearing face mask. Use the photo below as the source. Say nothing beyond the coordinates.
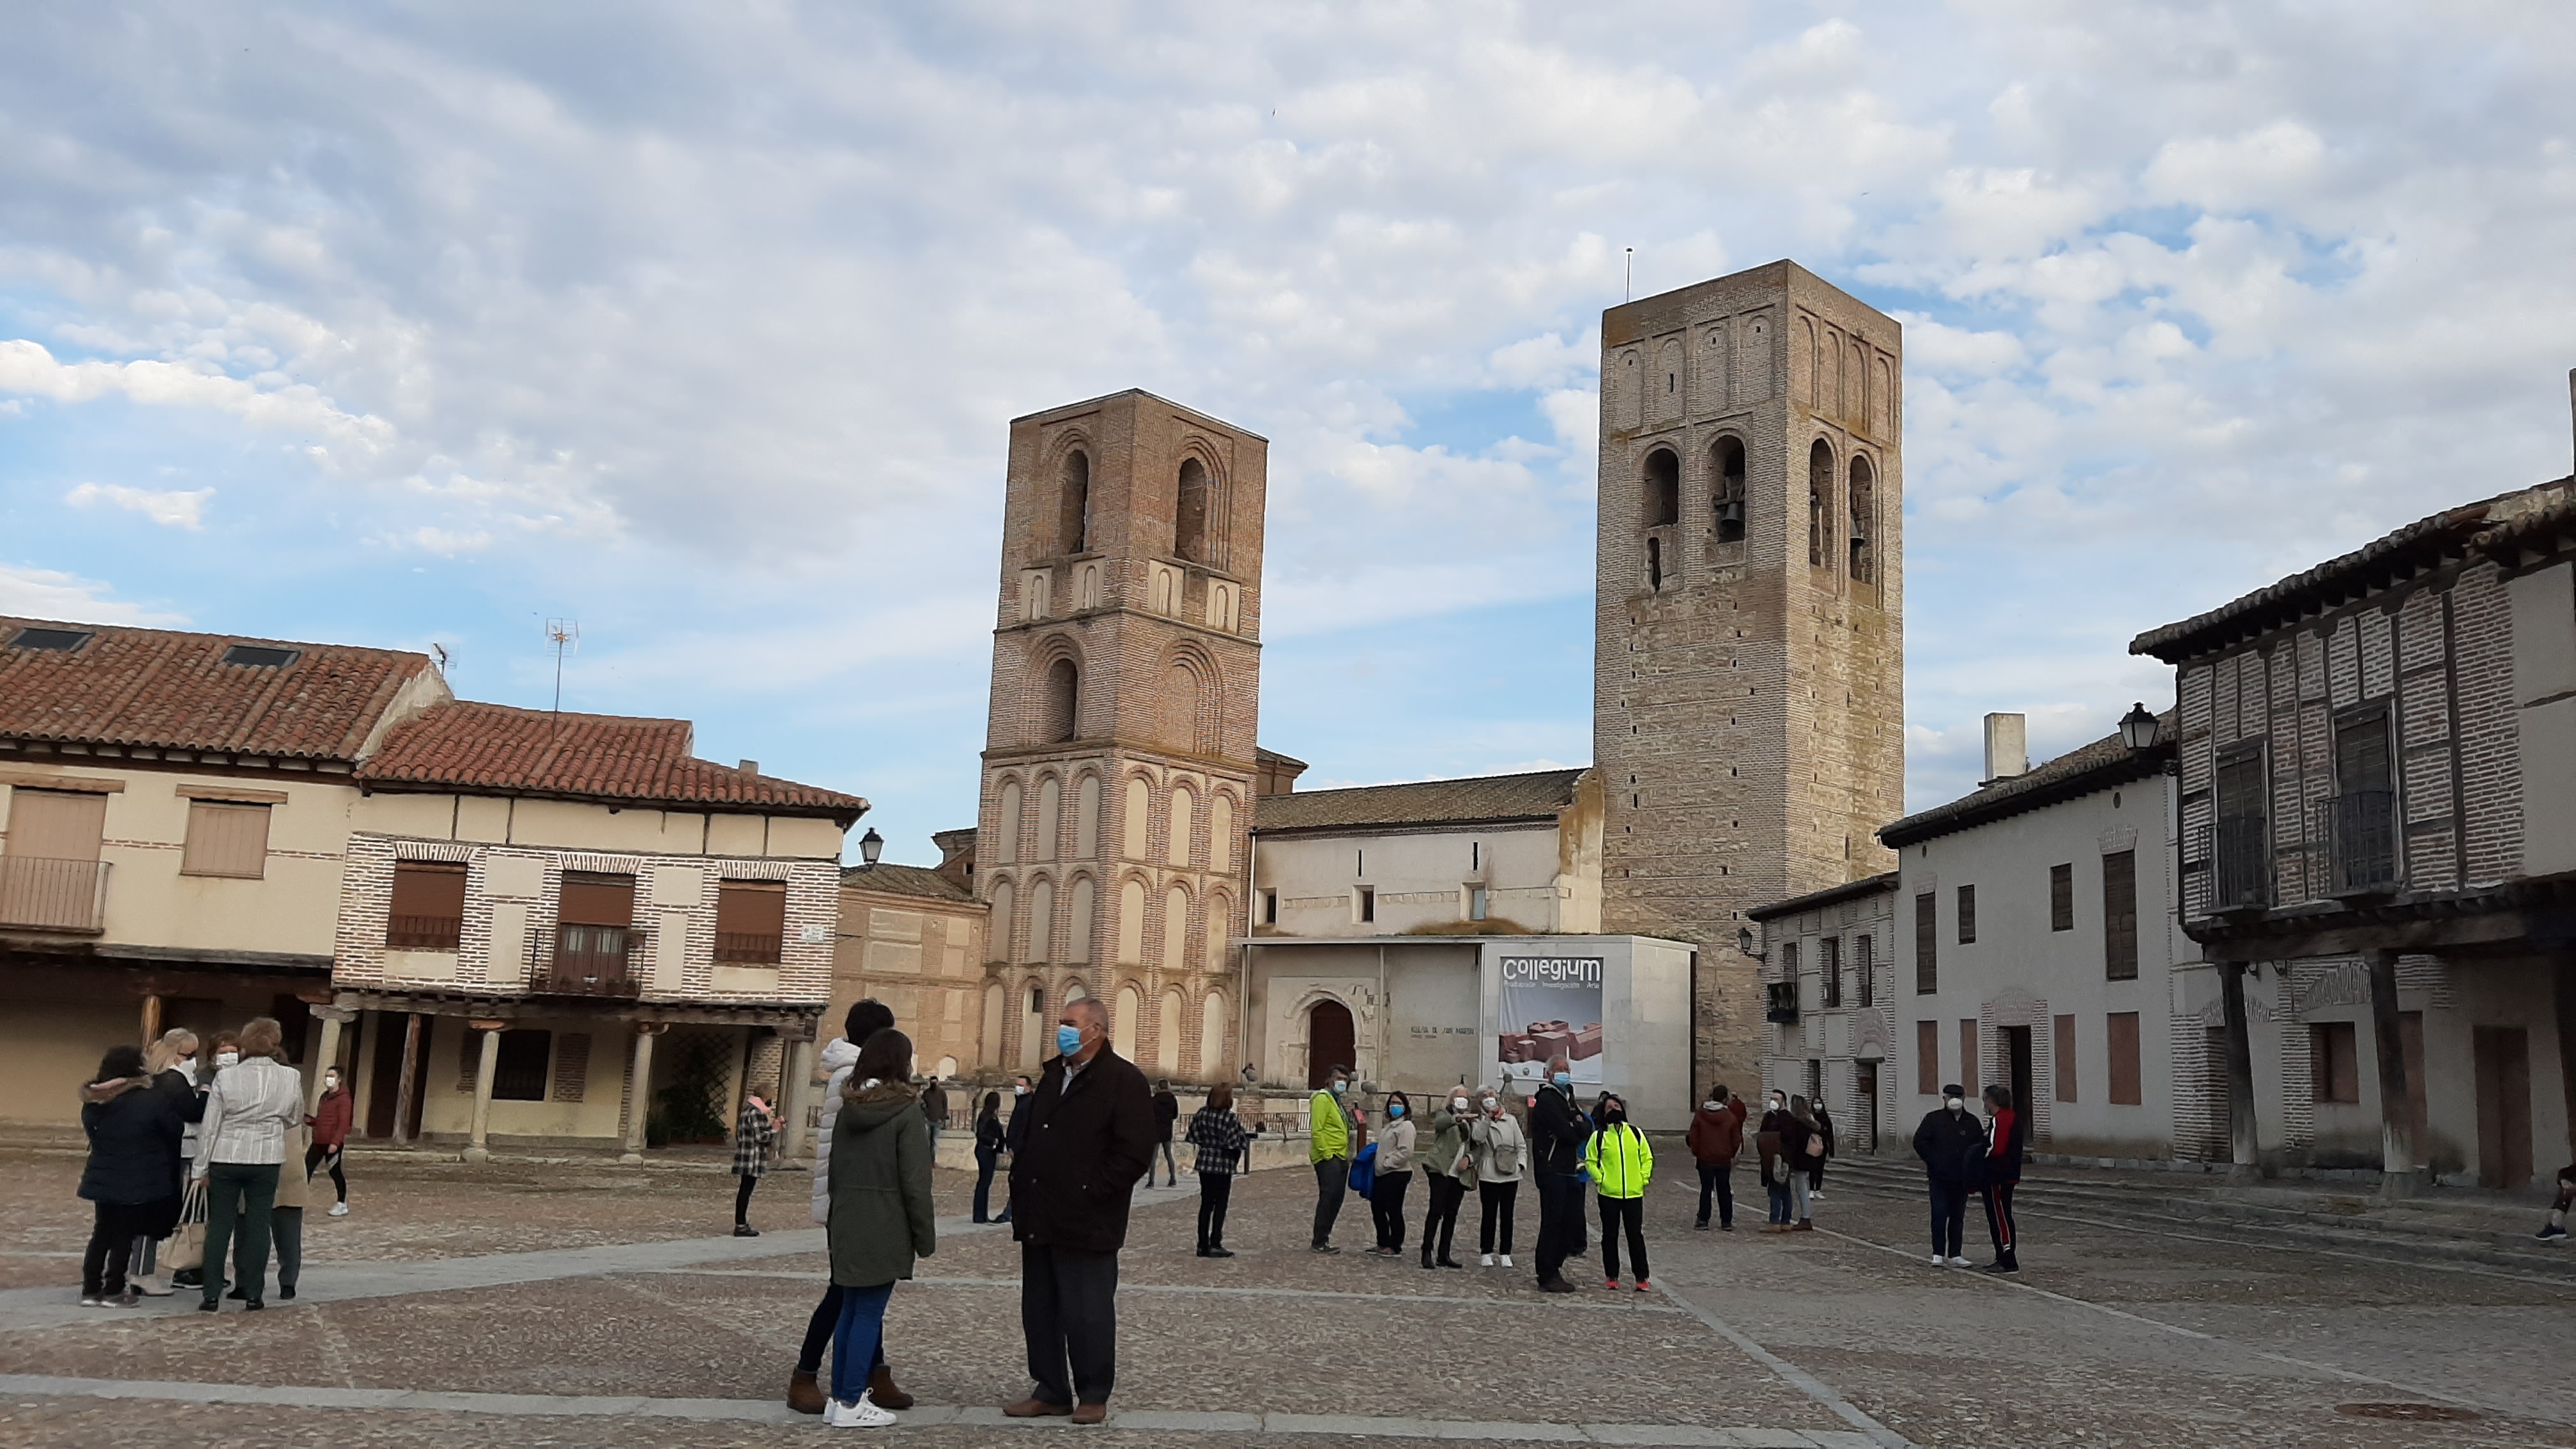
(1952, 1143)
(1716, 1136)
(1091, 1135)
(1329, 1148)
(1557, 1132)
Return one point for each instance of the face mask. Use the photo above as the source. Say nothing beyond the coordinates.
(1019, 1091)
(1494, 1107)
(1395, 1109)
(1563, 1079)
(1339, 1088)
(1957, 1105)
(1068, 1040)
(331, 1082)
(226, 1059)
(1457, 1104)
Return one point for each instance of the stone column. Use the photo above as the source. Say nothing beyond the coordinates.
(639, 1083)
(795, 1087)
(484, 1067)
(2396, 1123)
(326, 1054)
(410, 1072)
(2244, 1150)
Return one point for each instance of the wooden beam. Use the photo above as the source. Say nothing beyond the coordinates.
(2396, 1122)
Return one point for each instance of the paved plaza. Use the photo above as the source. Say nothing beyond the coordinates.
(581, 1303)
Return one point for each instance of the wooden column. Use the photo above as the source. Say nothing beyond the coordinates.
(2567, 1044)
(2396, 1123)
(795, 1085)
(2243, 1151)
(639, 1084)
(484, 1068)
(410, 1073)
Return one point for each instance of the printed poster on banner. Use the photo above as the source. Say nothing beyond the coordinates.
(1551, 1006)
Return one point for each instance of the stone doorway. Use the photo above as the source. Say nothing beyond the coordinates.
(1330, 1042)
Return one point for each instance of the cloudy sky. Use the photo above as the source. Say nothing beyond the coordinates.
(701, 324)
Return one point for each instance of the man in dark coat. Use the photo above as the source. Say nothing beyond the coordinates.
(1015, 1132)
(1167, 1110)
(1090, 1137)
(1556, 1134)
(1952, 1144)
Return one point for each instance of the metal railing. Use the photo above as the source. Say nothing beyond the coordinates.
(748, 948)
(1782, 1005)
(2240, 864)
(2360, 827)
(423, 933)
(573, 959)
(39, 893)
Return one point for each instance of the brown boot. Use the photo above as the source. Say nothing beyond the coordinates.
(883, 1393)
(1091, 1413)
(1034, 1407)
(803, 1394)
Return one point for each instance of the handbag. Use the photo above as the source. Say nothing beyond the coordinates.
(188, 1239)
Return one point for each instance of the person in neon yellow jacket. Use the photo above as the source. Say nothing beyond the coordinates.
(1620, 1164)
(1329, 1148)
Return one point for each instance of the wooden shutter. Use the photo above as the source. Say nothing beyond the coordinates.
(1967, 915)
(1829, 963)
(226, 838)
(1927, 1058)
(2122, 1029)
(428, 911)
(2063, 1058)
(572, 1065)
(56, 824)
(1968, 1057)
(597, 900)
(2120, 915)
(2061, 897)
(751, 921)
(2334, 1061)
(1927, 944)
(1864, 972)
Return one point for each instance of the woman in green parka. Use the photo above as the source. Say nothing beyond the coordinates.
(881, 1217)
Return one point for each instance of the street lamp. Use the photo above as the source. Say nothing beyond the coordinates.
(2138, 728)
(1744, 942)
(871, 847)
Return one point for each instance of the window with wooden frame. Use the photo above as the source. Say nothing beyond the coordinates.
(1829, 963)
(751, 922)
(2120, 915)
(2061, 897)
(1927, 1058)
(1967, 915)
(2120, 1047)
(2334, 1061)
(226, 838)
(2062, 1058)
(1864, 972)
(1968, 1061)
(1927, 944)
(520, 1073)
(428, 911)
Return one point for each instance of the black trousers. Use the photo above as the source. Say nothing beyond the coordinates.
(1618, 1213)
(114, 1227)
(1494, 1232)
(1069, 1314)
(742, 1197)
(1949, 1217)
(985, 1165)
(1999, 1221)
(1216, 1189)
(318, 1156)
(1332, 1182)
(1386, 1206)
(1171, 1174)
(1717, 1178)
(1560, 1222)
(1440, 1224)
(819, 1330)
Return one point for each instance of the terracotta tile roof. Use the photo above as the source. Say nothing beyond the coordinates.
(2101, 765)
(905, 880)
(169, 690)
(1535, 796)
(616, 759)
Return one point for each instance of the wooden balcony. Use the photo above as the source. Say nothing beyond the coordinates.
(42, 894)
(570, 959)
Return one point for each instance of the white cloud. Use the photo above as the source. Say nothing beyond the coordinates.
(170, 510)
(2260, 168)
(50, 594)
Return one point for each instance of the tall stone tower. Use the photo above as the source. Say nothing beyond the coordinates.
(1749, 690)
(1118, 760)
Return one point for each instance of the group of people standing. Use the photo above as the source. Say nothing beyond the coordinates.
(216, 1154)
(1963, 1154)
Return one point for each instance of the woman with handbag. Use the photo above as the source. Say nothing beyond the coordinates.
(132, 1172)
(1218, 1135)
(1800, 1153)
(1499, 1144)
(1447, 1170)
(171, 1063)
(1770, 1140)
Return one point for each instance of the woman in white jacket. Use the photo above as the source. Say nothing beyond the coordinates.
(240, 1147)
(1499, 1146)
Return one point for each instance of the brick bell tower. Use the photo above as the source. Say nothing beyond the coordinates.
(1748, 666)
(1112, 844)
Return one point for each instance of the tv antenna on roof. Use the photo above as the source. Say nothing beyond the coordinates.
(565, 636)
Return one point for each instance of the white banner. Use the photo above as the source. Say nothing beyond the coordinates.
(1551, 1006)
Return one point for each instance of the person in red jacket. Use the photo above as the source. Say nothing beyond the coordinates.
(329, 1120)
(2002, 1175)
(1716, 1135)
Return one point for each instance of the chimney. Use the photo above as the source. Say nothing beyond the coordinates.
(2007, 748)
(752, 767)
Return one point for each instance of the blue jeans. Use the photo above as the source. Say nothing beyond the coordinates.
(855, 1339)
(1780, 1202)
(985, 1164)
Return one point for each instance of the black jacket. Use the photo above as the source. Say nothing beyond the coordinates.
(1018, 1130)
(133, 1145)
(1952, 1146)
(1556, 1133)
(991, 1136)
(1083, 1153)
(1167, 1110)
(2003, 1149)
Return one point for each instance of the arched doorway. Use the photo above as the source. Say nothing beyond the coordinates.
(1329, 1042)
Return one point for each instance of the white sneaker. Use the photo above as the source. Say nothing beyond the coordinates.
(1486, 1261)
(1816, 1196)
(862, 1415)
(1961, 1263)
(339, 1210)
(148, 1288)
(1940, 1262)
(1507, 1260)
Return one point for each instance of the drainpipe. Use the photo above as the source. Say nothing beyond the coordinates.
(1385, 1048)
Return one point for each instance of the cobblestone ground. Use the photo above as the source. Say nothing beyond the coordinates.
(518, 1303)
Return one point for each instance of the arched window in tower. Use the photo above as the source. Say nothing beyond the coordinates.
(1728, 461)
(1190, 508)
(1863, 507)
(1060, 710)
(1820, 504)
(1073, 517)
(1663, 488)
